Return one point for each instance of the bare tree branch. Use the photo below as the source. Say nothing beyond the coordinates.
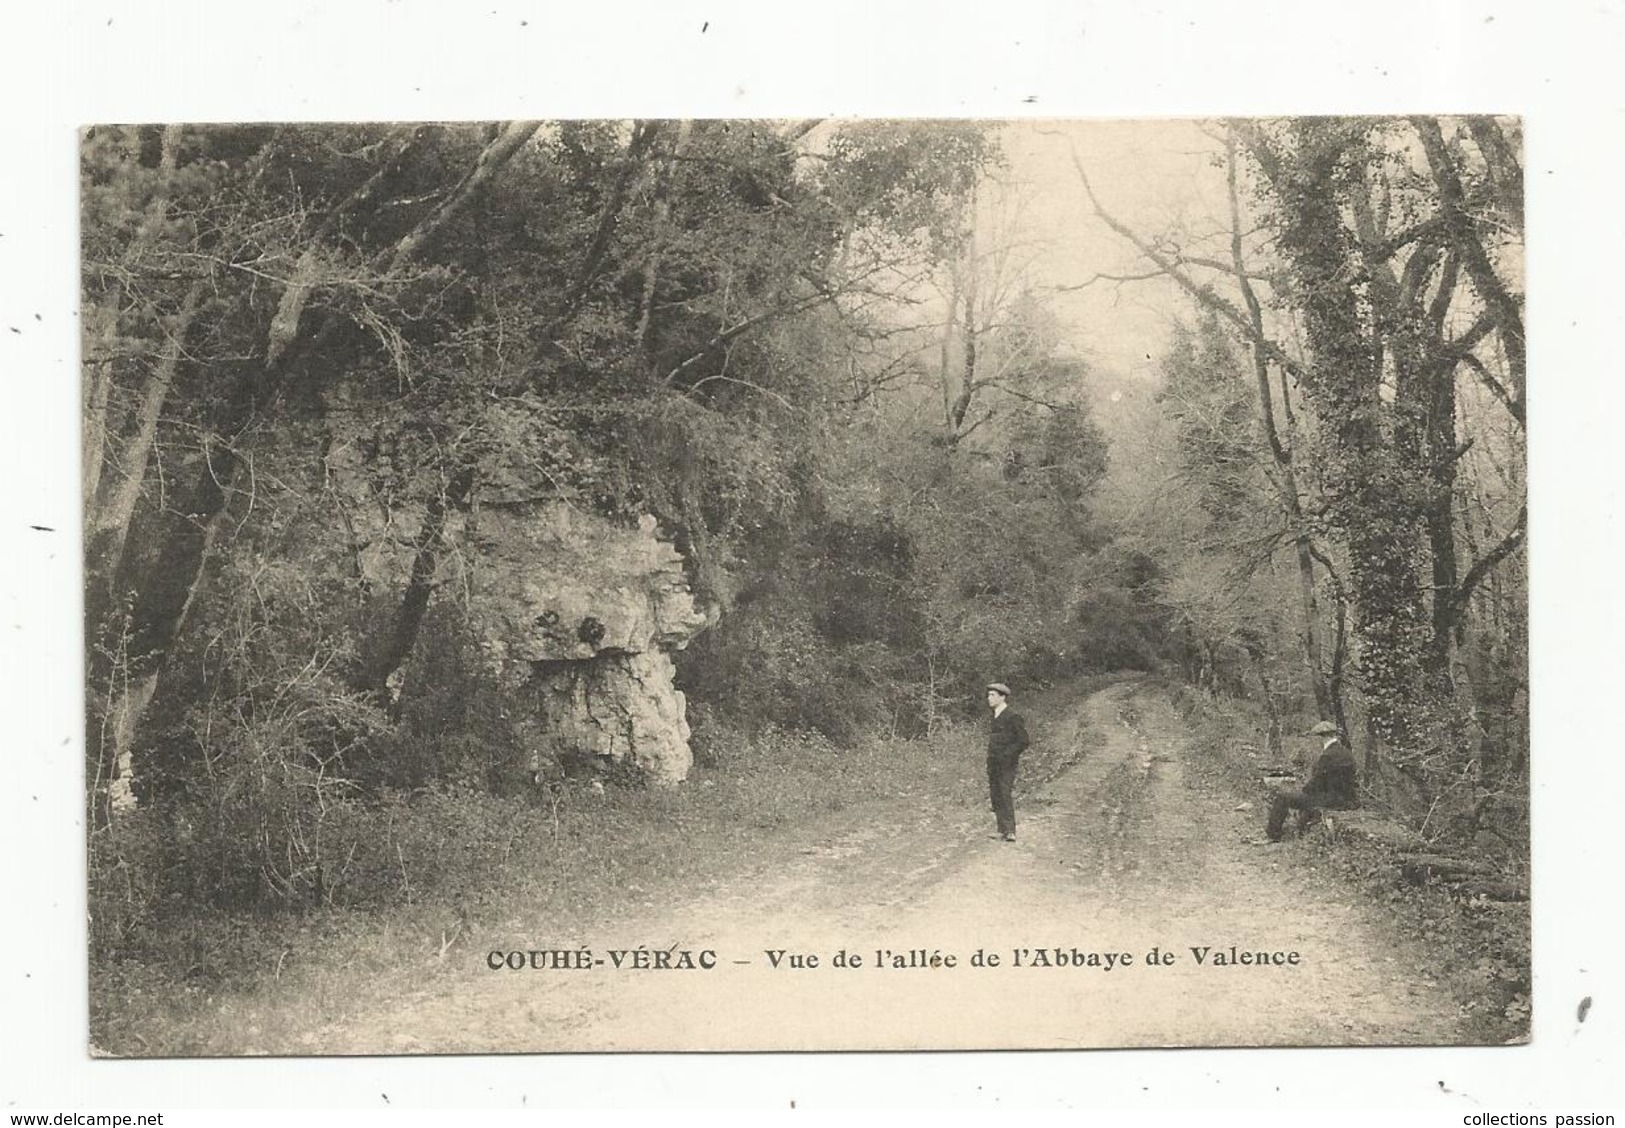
(643, 134)
(1203, 294)
(1495, 293)
(797, 130)
(960, 436)
(1497, 389)
(1092, 279)
(742, 328)
(1506, 173)
(743, 383)
(498, 153)
(1482, 567)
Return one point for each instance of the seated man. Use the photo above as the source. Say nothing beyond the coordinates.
(1331, 784)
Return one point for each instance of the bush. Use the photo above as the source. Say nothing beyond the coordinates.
(771, 666)
(453, 723)
(1116, 632)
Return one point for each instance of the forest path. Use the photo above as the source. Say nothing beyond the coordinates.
(1127, 848)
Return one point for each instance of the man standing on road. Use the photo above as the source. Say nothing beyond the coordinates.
(1331, 783)
(1005, 744)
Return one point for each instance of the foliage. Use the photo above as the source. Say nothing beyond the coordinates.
(1205, 392)
(314, 351)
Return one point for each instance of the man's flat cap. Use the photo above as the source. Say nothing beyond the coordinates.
(1324, 728)
(999, 688)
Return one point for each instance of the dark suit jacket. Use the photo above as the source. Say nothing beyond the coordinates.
(1009, 735)
(1332, 781)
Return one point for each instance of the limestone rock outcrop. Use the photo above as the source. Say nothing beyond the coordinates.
(619, 708)
(585, 613)
(577, 614)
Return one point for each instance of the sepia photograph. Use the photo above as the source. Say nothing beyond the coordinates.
(804, 584)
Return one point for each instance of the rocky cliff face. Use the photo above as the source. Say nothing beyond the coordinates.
(578, 615)
(584, 614)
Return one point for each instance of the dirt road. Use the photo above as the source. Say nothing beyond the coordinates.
(1125, 850)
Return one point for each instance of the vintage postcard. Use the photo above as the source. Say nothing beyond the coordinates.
(818, 584)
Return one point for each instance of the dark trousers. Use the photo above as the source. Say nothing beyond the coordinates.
(1283, 802)
(1001, 784)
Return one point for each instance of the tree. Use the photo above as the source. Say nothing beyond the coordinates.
(1390, 247)
(1383, 379)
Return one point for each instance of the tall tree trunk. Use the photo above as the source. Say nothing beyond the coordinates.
(967, 336)
(100, 342)
(111, 511)
(400, 639)
(1412, 329)
(1334, 679)
(967, 359)
(502, 149)
(1363, 472)
(1441, 524)
(1286, 480)
(662, 215)
(1506, 171)
(945, 348)
(163, 598)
